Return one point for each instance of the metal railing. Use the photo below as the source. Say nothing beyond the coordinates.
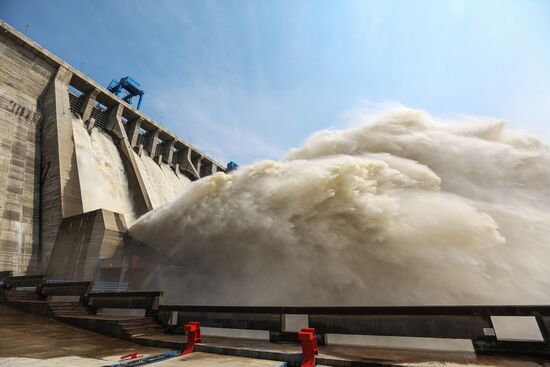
(98, 287)
(109, 287)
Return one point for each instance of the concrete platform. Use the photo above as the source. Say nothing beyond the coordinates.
(341, 355)
(199, 359)
(30, 340)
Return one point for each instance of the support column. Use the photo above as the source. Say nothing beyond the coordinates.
(168, 152)
(199, 165)
(87, 104)
(113, 120)
(61, 196)
(133, 131)
(115, 127)
(185, 162)
(151, 143)
(91, 124)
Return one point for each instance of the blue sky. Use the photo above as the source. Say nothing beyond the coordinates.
(247, 80)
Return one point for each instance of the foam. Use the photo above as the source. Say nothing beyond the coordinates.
(403, 210)
(101, 172)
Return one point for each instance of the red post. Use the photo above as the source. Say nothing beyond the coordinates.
(312, 330)
(308, 350)
(198, 337)
(130, 356)
(193, 330)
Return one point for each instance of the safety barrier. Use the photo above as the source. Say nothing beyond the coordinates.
(449, 322)
(105, 298)
(109, 287)
(24, 281)
(4, 275)
(193, 331)
(130, 300)
(81, 289)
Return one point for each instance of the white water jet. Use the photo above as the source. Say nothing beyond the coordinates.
(161, 182)
(403, 210)
(101, 171)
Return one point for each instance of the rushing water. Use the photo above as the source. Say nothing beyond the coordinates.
(161, 182)
(404, 209)
(102, 175)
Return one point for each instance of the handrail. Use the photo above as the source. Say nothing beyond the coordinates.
(63, 284)
(467, 310)
(126, 294)
(110, 287)
(24, 281)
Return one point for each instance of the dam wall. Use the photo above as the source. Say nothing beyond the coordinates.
(52, 172)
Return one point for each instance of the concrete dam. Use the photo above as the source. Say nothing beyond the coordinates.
(79, 165)
(393, 234)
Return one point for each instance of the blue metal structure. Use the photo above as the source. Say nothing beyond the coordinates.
(130, 86)
(231, 166)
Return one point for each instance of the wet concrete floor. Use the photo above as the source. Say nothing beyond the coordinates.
(30, 340)
(199, 359)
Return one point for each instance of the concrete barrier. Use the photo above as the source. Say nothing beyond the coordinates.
(448, 322)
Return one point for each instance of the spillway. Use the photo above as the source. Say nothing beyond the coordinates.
(161, 182)
(79, 166)
(103, 178)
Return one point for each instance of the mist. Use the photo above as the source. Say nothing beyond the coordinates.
(404, 209)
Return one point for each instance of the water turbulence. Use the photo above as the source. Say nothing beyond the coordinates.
(102, 175)
(162, 183)
(401, 210)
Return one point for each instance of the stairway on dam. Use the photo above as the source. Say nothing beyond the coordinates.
(68, 309)
(141, 327)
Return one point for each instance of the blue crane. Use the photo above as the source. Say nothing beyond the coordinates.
(130, 86)
(232, 166)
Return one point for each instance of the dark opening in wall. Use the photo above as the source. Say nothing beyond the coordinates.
(142, 137)
(206, 168)
(75, 98)
(74, 102)
(175, 157)
(160, 147)
(99, 114)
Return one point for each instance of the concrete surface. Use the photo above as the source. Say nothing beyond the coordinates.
(82, 240)
(22, 81)
(199, 359)
(29, 340)
(341, 355)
